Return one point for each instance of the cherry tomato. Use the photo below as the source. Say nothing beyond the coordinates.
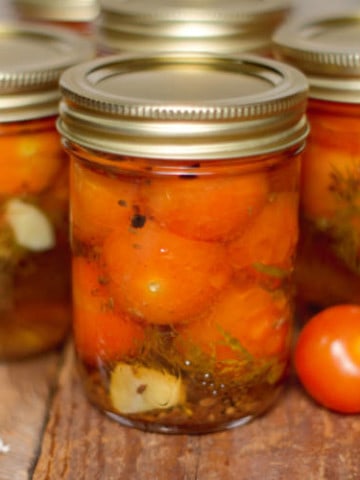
(206, 208)
(100, 331)
(163, 278)
(327, 358)
(98, 202)
(261, 245)
(330, 155)
(29, 162)
(247, 318)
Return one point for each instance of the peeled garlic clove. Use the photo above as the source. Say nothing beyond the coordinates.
(31, 228)
(135, 389)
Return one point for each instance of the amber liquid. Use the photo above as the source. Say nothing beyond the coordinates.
(35, 290)
(183, 322)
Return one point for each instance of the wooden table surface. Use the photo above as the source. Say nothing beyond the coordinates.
(49, 431)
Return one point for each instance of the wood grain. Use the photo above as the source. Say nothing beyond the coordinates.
(296, 440)
(25, 393)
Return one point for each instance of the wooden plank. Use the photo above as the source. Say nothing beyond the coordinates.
(26, 389)
(296, 440)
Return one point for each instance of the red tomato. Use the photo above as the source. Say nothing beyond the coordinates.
(327, 358)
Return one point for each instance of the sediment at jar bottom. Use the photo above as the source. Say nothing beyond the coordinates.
(208, 403)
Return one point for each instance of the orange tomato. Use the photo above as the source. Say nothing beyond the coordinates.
(270, 240)
(99, 202)
(248, 320)
(161, 277)
(29, 162)
(320, 165)
(332, 152)
(327, 358)
(100, 331)
(206, 208)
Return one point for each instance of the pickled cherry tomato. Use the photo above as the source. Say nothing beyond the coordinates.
(98, 202)
(330, 165)
(161, 277)
(248, 321)
(29, 163)
(99, 330)
(205, 208)
(318, 192)
(270, 240)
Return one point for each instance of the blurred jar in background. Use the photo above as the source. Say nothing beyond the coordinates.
(78, 15)
(327, 50)
(34, 248)
(230, 26)
(184, 224)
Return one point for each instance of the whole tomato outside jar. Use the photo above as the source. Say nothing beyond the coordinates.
(229, 26)
(35, 310)
(184, 195)
(327, 49)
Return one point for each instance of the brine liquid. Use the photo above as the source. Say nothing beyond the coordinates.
(182, 288)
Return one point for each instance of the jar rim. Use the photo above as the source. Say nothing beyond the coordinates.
(58, 10)
(180, 105)
(232, 26)
(326, 48)
(32, 59)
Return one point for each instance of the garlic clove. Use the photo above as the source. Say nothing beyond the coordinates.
(135, 389)
(31, 227)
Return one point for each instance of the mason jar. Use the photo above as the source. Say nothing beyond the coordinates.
(78, 15)
(34, 249)
(229, 27)
(327, 49)
(184, 196)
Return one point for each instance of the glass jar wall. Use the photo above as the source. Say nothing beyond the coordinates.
(327, 50)
(35, 283)
(182, 286)
(330, 241)
(34, 248)
(184, 229)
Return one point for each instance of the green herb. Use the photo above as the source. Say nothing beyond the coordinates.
(344, 226)
(271, 270)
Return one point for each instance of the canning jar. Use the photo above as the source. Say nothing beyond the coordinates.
(231, 26)
(184, 193)
(78, 15)
(35, 312)
(327, 49)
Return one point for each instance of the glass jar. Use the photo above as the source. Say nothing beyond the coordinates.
(78, 15)
(34, 248)
(231, 26)
(184, 193)
(327, 50)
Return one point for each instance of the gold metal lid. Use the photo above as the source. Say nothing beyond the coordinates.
(327, 50)
(183, 105)
(32, 59)
(58, 10)
(229, 26)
